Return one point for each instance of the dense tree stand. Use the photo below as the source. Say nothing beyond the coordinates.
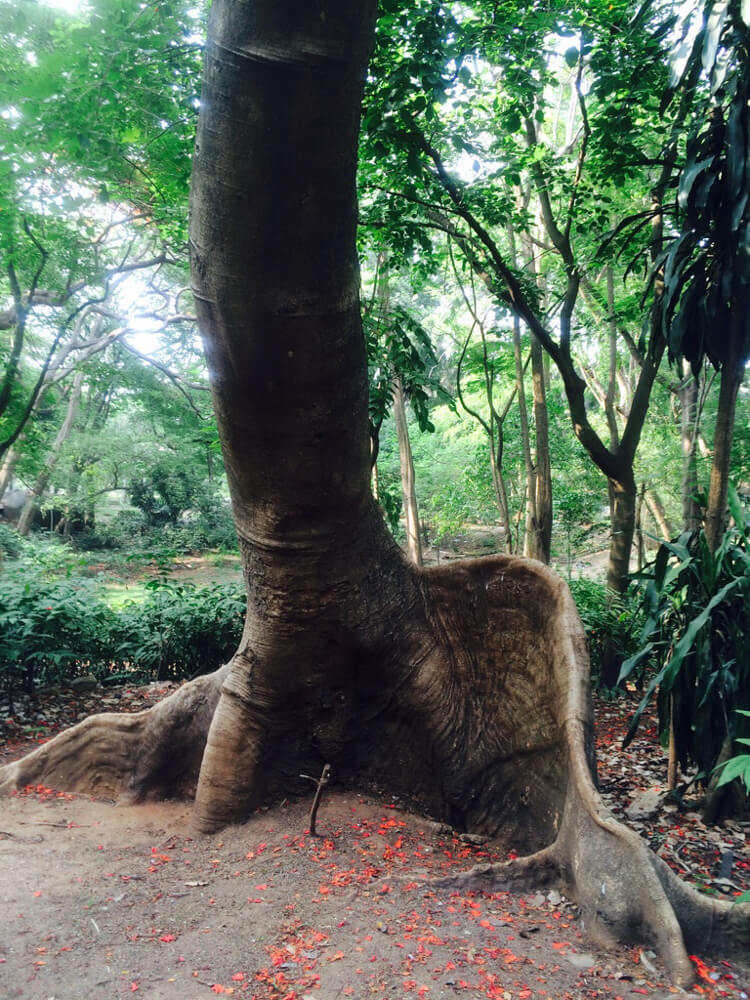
(463, 688)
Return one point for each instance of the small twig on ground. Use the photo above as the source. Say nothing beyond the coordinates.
(321, 783)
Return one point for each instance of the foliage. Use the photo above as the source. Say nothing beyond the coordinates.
(164, 491)
(697, 639)
(50, 630)
(179, 630)
(390, 499)
(11, 543)
(705, 268)
(55, 626)
(609, 620)
(737, 767)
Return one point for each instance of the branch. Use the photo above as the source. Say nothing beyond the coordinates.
(42, 263)
(414, 200)
(176, 379)
(575, 386)
(559, 239)
(14, 360)
(581, 152)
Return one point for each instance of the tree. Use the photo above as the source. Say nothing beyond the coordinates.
(705, 306)
(97, 123)
(474, 109)
(463, 687)
(40, 485)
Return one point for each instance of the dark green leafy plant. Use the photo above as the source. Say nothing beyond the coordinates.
(610, 620)
(11, 542)
(737, 767)
(696, 639)
(179, 630)
(52, 630)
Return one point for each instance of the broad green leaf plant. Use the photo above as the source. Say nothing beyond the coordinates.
(696, 641)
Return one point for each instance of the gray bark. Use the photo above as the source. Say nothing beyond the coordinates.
(408, 479)
(51, 458)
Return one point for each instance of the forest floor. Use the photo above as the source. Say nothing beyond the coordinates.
(104, 902)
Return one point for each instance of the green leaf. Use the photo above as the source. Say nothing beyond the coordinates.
(735, 767)
(630, 664)
(685, 645)
(689, 176)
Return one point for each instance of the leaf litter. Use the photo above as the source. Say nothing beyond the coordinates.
(125, 900)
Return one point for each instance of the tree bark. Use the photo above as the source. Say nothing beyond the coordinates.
(42, 480)
(691, 511)
(622, 503)
(732, 372)
(464, 688)
(543, 477)
(408, 479)
(657, 511)
(7, 469)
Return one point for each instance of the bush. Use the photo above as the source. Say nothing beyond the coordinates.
(180, 630)
(11, 543)
(609, 620)
(696, 642)
(52, 630)
(124, 532)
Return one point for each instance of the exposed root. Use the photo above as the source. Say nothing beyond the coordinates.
(534, 871)
(625, 892)
(132, 757)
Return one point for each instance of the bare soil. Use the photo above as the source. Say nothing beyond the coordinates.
(105, 901)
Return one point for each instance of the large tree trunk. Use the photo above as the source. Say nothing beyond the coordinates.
(464, 687)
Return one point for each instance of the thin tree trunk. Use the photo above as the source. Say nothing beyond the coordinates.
(732, 372)
(538, 534)
(639, 528)
(543, 477)
(408, 479)
(8, 467)
(609, 408)
(375, 481)
(691, 511)
(32, 504)
(530, 538)
(672, 750)
(622, 498)
(659, 514)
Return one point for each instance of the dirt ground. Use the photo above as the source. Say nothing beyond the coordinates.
(103, 901)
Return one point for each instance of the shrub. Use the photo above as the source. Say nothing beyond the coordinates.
(50, 630)
(180, 630)
(11, 543)
(610, 621)
(696, 641)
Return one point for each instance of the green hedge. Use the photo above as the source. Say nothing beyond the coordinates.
(53, 630)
